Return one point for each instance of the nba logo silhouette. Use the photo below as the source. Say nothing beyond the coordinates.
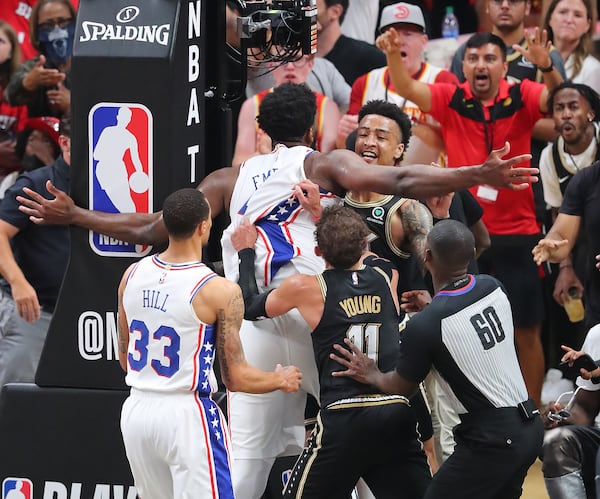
(120, 168)
(285, 477)
(17, 488)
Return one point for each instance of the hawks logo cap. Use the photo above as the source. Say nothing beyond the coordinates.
(47, 124)
(401, 13)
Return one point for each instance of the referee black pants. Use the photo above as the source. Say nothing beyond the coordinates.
(494, 450)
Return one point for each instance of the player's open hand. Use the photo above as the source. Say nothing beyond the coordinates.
(307, 192)
(544, 249)
(291, 378)
(358, 366)
(41, 211)
(499, 172)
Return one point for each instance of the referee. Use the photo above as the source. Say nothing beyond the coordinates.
(466, 335)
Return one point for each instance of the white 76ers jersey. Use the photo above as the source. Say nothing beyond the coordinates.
(170, 349)
(263, 193)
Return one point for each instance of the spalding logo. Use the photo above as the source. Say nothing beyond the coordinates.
(128, 14)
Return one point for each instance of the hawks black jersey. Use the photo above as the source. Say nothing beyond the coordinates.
(359, 306)
(378, 217)
(466, 334)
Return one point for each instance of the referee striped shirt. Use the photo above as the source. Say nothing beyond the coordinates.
(466, 335)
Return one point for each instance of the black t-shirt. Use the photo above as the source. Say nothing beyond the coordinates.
(582, 199)
(41, 251)
(354, 58)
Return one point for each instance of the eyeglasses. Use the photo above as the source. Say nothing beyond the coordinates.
(300, 63)
(510, 2)
(565, 412)
(61, 22)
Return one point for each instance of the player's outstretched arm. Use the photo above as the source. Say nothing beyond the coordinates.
(364, 370)
(223, 299)
(340, 171)
(140, 228)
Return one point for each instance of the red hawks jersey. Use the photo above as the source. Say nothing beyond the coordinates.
(170, 349)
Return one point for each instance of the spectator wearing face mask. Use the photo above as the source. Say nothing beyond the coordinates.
(43, 83)
(36, 146)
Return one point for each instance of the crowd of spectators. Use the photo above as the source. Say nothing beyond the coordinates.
(503, 84)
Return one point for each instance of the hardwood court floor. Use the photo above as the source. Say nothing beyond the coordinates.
(534, 487)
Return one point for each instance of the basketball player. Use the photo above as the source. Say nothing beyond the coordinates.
(360, 431)
(175, 435)
(261, 189)
(466, 334)
(399, 226)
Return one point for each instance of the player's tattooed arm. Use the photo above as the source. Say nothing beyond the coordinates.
(229, 345)
(417, 222)
(237, 374)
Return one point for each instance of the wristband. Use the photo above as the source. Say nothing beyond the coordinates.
(560, 267)
(547, 69)
(596, 379)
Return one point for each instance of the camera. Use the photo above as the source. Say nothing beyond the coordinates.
(282, 30)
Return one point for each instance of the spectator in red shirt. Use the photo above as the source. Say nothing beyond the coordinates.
(477, 116)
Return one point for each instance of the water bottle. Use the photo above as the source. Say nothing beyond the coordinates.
(450, 24)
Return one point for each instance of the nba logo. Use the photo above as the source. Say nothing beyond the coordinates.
(285, 477)
(17, 488)
(120, 168)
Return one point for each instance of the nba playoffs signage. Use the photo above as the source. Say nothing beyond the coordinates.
(22, 488)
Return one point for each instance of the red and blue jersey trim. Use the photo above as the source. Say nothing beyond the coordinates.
(468, 286)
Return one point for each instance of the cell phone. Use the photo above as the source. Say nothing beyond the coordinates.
(584, 362)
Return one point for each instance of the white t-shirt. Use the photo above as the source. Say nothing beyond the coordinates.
(360, 21)
(572, 163)
(591, 346)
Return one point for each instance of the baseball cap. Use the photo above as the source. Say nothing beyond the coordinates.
(47, 124)
(401, 13)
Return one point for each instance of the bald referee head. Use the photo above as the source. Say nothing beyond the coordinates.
(450, 247)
